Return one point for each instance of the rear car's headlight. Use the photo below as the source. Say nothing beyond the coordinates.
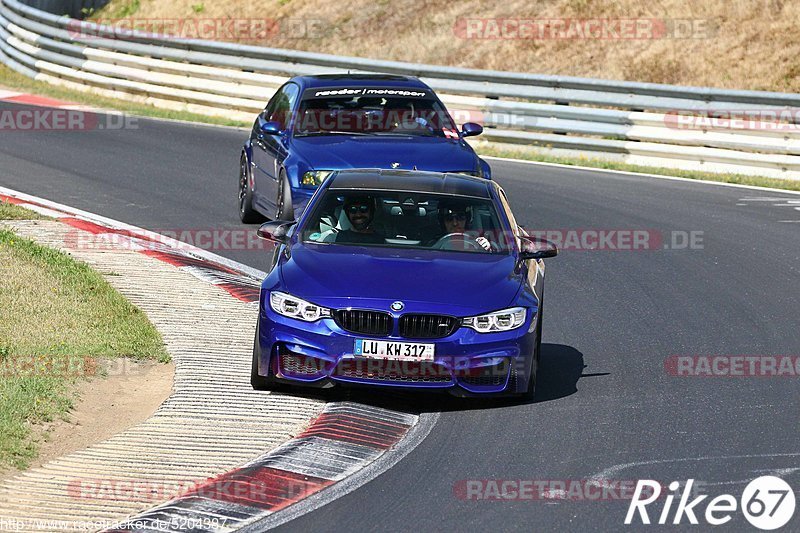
(314, 178)
(293, 307)
(504, 320)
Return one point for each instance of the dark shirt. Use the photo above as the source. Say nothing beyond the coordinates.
(354, 237)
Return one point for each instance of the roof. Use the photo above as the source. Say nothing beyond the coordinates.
(361, 80)
(411, 181)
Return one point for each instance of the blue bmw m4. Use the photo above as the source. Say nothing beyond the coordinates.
(402, 279)
(314, 125)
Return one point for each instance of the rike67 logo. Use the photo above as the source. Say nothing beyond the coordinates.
(767, 503)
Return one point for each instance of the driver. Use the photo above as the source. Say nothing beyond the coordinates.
(360, 212)
(454, 218)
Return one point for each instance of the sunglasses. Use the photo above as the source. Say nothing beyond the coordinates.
(353, 209)
(455, 216)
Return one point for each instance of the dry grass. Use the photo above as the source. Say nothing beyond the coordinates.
(752, 44)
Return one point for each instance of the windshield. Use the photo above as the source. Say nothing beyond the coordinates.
(366, 111)
(402, 219)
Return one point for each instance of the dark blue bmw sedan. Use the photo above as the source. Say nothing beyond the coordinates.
(402, 279)
(314, 125)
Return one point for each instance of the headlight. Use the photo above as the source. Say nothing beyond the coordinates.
(293, 307)
(314, 178)
(504, 320)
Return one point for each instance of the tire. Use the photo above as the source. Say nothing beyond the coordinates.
(283, 201)
(257, 381)
(247, 214)
(530, 393)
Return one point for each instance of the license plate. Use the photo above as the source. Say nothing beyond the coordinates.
(394, 350)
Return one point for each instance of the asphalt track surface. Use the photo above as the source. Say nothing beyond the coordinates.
(605, 406)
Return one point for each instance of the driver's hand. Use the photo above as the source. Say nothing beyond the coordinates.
(484, 242)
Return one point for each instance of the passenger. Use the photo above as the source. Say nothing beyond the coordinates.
(454, 219)
(360, 212)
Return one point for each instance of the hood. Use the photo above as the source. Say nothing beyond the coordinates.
(455, 283)
(435, 154)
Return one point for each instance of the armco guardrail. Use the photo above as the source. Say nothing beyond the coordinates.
(633, 122)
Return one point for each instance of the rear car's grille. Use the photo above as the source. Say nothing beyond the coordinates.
(395, 371)
(427, 326)
(364, 322)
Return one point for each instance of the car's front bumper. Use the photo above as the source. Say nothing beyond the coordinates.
(320, 354)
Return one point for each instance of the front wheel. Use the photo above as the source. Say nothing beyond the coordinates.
(258, 382)
(283, 201)
(247, 214)
(530, 393)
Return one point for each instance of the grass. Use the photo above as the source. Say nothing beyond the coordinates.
(127, 9)
(741, 179)
(59, 319)
(17, 82)
(10, 211)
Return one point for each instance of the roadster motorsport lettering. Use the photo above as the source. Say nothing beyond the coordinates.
(369, 91)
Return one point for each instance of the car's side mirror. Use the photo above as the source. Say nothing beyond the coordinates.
(470, 129)
(534, 248)
(268, 127)
(275, 231)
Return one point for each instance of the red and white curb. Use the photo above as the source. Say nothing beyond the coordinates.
(239, 280)
(40, 101)
(346, 446)
(340, 442)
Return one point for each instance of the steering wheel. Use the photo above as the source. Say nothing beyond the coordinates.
(467, 239)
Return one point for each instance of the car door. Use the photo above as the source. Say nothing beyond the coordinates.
(269, 151)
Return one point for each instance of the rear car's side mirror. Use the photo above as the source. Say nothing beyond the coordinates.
(535, 248)
(470, 129)
(275, 231)
(268, 127)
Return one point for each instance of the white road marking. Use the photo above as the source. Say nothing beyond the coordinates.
(782, 202)
(602, 476)
(764, 199)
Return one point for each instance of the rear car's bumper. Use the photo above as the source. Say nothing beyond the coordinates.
(320, 354)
